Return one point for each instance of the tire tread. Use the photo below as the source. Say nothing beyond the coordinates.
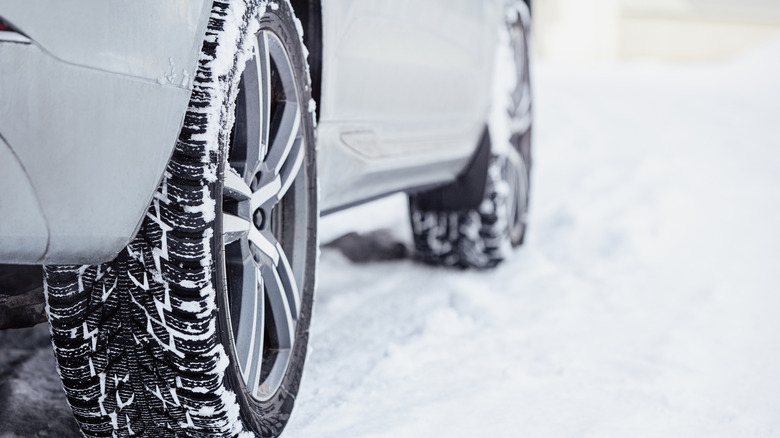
(135, 338)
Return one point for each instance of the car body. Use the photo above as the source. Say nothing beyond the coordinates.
(90, 107)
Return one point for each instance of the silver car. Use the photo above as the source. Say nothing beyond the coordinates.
(167, 162)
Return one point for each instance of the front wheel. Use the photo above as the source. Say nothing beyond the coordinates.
(199, 327)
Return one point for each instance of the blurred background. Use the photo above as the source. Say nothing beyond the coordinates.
(666, 30)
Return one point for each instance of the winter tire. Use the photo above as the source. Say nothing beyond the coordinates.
(199, 327)
(482, 237)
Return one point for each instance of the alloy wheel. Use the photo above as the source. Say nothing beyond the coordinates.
(265, 217)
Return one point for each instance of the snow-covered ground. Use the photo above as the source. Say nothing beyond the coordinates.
(644, 304)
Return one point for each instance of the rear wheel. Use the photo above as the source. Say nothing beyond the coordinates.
(200, 326)
(482, 237)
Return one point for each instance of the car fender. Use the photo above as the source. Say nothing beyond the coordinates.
(90, 120)
(149, 39)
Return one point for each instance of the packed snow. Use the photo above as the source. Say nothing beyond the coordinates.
(643, 304)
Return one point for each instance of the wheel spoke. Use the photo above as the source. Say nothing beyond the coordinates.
(276, 374)
(521, 117)
(253, 95)
(266, 245)
(266, 193)
(287, 151)
(520, 125)
(291, 167)
(521, 97)
(287, 128)
(280, 307)
(236, 187)
(272, 192)
(263, 58)
(289, 283)
(249, 339)
(234, 228)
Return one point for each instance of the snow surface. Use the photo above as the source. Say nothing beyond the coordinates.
(644, 303)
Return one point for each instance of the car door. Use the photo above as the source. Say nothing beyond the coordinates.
(406, 87)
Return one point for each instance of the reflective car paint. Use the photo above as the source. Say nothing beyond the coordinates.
(93, 146)
(23, 231)
(150, 39)
(405, 93)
